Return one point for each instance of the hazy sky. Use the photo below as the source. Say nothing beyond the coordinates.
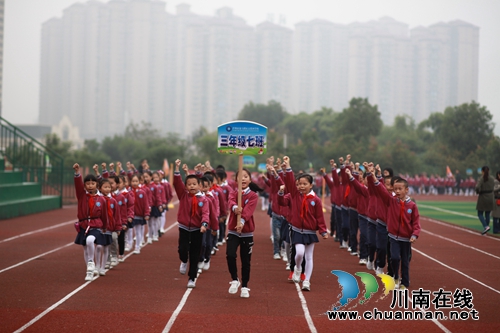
(23, 20)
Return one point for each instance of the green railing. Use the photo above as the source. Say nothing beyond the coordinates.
(38, 163)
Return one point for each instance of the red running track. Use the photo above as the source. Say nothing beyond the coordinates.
(141, 294)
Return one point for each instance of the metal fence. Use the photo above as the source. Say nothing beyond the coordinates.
(37, 162)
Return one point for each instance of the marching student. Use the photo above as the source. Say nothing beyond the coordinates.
(130, 200)
(211, 233)
(193, 218)
(114, 225)
(403, 225)
(357, 181)
(241, 235)
(92, 218)
(118, 246)
(141, 211)
(307, 218)
(126, 213)
(335, 200)
(221, 176)
(167, 188)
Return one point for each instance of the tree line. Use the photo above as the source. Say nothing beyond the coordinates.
(461, 137)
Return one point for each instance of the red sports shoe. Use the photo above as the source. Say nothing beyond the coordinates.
(302, 277)
(290, 276)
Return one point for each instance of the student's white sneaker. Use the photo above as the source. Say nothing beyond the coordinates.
(191, 284)
(89, 275)
(120, 259)
(200, 265)
(379, 271)
(287, 267)
(128, 248)
(90, 266)
(150, 240)
(223, 241)
(162, 231)
(306, 285)
(349, 249)
(362, 261)
(96, 272)
(206, 266)
(245, 292)
(114, 261)
(102, 272)
(343, 245)
(219, 243)
(354, 253)
(155, 239)
(108, 265)
(212, 252)
(137, 251)
(182, 268)
(369, 265)
(234, 285)
(276, 256)
(296, 275)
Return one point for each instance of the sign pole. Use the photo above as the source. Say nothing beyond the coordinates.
(240, 187)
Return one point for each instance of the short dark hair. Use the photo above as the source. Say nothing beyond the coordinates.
(220, 174)
(204, 180)
(394, 179)
(209, 176)
(401, 180)
(103, 181)
(389, 170)
(90, 178)
(306, 176)
(116, 179)
(192, 177)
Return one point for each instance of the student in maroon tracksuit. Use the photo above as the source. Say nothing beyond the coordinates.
(121, 197)
(193, 217)
(241, 236)
(167, 188)
(207, 242)
(221, 176)
(141, 211)
(114, 249)
(403, 226)
(307, 218)
(92, 218)
(114, 224)
(356, 180)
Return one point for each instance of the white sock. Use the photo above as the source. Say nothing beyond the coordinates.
(309, 260)
(138, 236)
(98, 257)
(299, 255)
(88, 250)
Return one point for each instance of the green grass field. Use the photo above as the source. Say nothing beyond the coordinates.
(460, 213)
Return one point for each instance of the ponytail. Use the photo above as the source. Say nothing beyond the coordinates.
(486, 173)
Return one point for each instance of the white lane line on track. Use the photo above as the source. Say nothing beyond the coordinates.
(65, 298)
(461, 244)
(448, 211)
(476, 233)
(456, 270)
(435, 321)
(303, 302)
(37, 231)
(35, 257)
(181, 304)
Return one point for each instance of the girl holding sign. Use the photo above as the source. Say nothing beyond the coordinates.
(241, 235)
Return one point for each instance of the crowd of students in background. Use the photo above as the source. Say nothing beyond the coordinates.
(372, 217)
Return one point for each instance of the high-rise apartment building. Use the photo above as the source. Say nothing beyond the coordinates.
(105, 65)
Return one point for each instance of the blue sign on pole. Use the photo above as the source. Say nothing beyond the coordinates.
(242, 138)
(249, 161)
(262, 167)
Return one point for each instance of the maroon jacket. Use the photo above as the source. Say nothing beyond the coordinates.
(168, 190)
(248, 203)
(141, 204)
(98, 217)
(214, 211)
(362, 194)
(313, 219)
(403, 219)
(130, 201)
(381, 208)
(188, 219)
(114, 217)
(226, 191)
(160, 194)
(122, 205)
